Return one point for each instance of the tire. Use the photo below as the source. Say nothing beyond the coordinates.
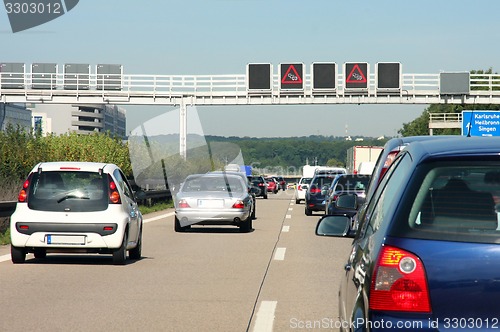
(136, 253)
(40, 253)
(253, 212)
(297, 201)
(308, 212)
(265, 196)
(246, 226)
(18, 255)
(178, 227)
(120, 255)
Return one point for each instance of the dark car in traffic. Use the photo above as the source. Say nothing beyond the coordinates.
(346, 184)
(425, 255)
(317, 191)
(259, 185)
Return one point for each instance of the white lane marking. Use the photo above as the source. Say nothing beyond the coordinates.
(279, 255)
(5, 258)
(265, 316)
(288, 216)
(285, 229)
(166, 215)
(290, 209)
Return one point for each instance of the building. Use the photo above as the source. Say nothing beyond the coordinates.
(15, 115)
(81, 119)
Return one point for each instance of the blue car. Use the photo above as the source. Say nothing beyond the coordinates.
(317, 191)
(426, 254)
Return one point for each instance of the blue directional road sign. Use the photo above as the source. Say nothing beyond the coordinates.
(481, 123)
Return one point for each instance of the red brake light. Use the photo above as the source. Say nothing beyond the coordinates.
(399, 282)
(23, 194)
(183, 204)
(239, 205)
(315, 190)
(114, 195)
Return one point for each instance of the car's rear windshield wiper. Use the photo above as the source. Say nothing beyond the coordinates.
(72, 196)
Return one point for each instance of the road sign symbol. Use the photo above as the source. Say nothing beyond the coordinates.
(291, 76)
(356, 75)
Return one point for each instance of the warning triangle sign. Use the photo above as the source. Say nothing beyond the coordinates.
(356, 75)
(291, 76)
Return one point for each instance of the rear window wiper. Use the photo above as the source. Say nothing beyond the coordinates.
(72, 196)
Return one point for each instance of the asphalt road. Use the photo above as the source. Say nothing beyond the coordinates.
(279, 277)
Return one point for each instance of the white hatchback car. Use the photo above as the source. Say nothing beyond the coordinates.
(301, 189)
(76, 207)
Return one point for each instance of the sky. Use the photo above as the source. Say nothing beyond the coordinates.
(212, 37)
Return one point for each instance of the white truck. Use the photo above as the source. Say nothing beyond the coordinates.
(361, 159)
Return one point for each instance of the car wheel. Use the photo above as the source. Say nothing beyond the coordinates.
(308, 212)
(18, 255)
(297, 201)
(253, 212)
(40, 253)
(120, 255)
(178, 227)
(265, 196)
(246, 226)
(136, 253)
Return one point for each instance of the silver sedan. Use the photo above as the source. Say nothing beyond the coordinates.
(213, 199)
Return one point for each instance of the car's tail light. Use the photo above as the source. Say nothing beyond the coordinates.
(114, 195)
(23, 194)
(183, 204)
(299, 188)
(399, 282)
(388, 162)
(315, 190)
(239, 205)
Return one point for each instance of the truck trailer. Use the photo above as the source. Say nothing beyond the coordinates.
(361, 159)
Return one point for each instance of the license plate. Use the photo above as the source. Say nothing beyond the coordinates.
(66, 239)
(211, 203)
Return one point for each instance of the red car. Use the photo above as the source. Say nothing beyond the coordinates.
(272, 185)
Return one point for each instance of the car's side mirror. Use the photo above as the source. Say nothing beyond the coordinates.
(335, 225)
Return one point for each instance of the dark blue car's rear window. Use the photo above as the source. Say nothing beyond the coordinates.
(453, 201)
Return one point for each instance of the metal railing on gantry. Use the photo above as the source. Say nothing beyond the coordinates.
(207, 90)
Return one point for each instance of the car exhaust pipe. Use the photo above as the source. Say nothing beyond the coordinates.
(237, 220)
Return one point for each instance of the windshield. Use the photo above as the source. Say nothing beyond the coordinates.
(68, 191)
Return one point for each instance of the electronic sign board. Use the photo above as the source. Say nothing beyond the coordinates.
(356, 75)
(324, 75)
(388, 76)
(291, 76)
(454, 83)
(259, 76)
(43, 75)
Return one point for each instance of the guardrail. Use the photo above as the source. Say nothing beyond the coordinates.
(7, 208)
